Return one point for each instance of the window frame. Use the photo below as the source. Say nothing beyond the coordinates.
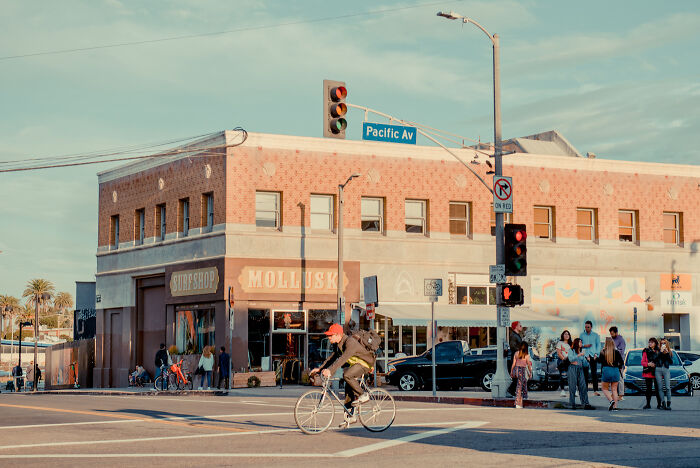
(677, 228)
(634, 227)
(330, 214)
(380, 217)
(489, 290)
(593, 226)
(184, 216)
(161, 221)
(114, 232)
(423, 219)
(139, 226)
(277, 211)
(551, 229)
(466, 219)
(207, 211)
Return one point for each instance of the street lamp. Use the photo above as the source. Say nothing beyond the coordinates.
(43, 297)
(501, 381)
(341, 299)
(7, 311)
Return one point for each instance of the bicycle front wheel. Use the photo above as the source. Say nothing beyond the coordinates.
(161, 383)
(379, 412)
(314, 412)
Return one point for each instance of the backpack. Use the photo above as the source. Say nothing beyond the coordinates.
(370, 339)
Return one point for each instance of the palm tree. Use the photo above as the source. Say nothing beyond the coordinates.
(63, 301)
(37, 288)
(8, 301)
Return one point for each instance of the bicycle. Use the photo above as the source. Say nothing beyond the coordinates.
(314, 411)
(175, 378)
(165, 381)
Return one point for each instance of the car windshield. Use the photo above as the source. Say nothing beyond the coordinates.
(634, 358)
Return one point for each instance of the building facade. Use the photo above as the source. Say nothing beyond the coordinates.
(234, 243)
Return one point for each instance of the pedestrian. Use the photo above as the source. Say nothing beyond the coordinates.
(563, 348)
(521, 370)
(162, 359)
(30, 376)
(514, 342)
(621, 345)
(611, 363)
(224, 363)
(648, 372)
(17, 373)
(663, 362)
(206, 362)
(577, 360)
(591, 347)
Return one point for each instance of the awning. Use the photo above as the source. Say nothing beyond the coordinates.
(459, 315)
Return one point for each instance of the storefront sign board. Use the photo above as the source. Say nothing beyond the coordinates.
(193, 282)
(271, 280)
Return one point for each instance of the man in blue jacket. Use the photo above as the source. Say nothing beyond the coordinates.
(591, 348)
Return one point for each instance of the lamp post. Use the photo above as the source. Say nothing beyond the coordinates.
(7, 311)
(501, 381)
(43, 297)
(341, 299)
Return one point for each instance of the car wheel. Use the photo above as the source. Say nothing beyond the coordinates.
(408, 382)
(487, 380)
(695, 381)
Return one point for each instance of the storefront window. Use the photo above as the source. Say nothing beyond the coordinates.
(492, 336)
(289, 320)
(407, 340)
(258, 336)
(320, 347)
(477, 295)
(421, 339)
(194, 329)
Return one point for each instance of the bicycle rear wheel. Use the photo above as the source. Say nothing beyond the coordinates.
(160, 383)
(314, 412)
(185, 386)
(379, 412)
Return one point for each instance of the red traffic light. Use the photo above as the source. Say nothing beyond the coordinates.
(520, 236)
(338, 93)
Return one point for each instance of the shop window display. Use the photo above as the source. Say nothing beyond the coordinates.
(194, 329)
(258, 336)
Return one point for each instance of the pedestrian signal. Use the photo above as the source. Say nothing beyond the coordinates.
(511, 295)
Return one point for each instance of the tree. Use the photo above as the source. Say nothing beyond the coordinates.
(7, 316)
(36, 288)
(63, 302)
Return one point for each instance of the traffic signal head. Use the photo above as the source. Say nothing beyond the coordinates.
(511, 295)
(515, 237)
(334, 109)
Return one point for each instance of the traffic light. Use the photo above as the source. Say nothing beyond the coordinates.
(334, 109)
(511, 295)
(516, 250)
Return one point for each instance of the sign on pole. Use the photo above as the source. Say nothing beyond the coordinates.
(502, 194)
(503, 316)
(432, 287)
(497, 274)
(370, 290)
(389, 133)
(369, 311)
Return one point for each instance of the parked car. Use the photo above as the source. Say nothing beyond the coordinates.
(550, 380)
(456, 366)
(691, 362)
(635, 384)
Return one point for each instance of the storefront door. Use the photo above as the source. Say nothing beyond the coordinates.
(289, 342)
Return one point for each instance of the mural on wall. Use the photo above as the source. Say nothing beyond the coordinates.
(64, 367)
(605, 301)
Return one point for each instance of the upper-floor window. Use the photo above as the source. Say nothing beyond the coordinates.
(372, 214)
(160, 221)
(459, 218)
(628, 225)
(672, 228)
(184, 216)
(476, 295)
(207, 211)
(114, 231)
(544, 222)
(416, 216)
(507, 218)
(267, 210)
(586, 224)
(139, 226)
(322, 213)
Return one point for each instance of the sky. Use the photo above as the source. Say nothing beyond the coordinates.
(619, 79)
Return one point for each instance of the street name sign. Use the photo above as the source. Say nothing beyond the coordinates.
(503, 316)
(497, 274)
(389, 133)
(502, 194)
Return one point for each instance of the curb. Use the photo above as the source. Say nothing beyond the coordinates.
(125, 393)
(501, 403)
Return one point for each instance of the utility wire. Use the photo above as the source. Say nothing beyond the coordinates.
(217, 33)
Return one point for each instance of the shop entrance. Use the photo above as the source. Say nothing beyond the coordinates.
(289, 343)
(676, 328)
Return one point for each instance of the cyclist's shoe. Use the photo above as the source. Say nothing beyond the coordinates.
(348, 419)
(364, 398)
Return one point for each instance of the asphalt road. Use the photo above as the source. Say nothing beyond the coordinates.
(70, 430)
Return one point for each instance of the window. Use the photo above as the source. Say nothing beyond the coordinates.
(586, 224)
(459, 218)
(544, 222)
(415, 211)
(373, 214)
(476, 295)
(139, 226)
(183, 222)
(267, 209)
(322, 212)
(507, 218)
(207, 212)
(160, 221)
(114, 232)
(194, 329)
(628, 226)
(672, 228)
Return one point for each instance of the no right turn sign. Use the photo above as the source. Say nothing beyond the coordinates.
(502, 194)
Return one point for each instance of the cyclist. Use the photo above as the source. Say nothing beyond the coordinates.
(356, 360)
(162, 359)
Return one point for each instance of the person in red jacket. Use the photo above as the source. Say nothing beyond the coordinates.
(648, 365)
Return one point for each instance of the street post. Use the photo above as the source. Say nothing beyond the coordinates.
(433, 289)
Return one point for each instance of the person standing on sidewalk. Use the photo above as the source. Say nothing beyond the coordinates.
(224, 362)
(663, 362)
(611, 363)
(577, 360)
(621, 345)
(206, 362)
(563, 348)
(591, 348)
(648, 372)
(521, 370)
(514, 342)
(30, 376)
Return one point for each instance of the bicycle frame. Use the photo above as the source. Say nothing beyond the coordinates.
(178, 372)
(327, 390)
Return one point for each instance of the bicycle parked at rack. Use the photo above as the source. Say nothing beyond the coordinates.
(173, 378)
(315, 409)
